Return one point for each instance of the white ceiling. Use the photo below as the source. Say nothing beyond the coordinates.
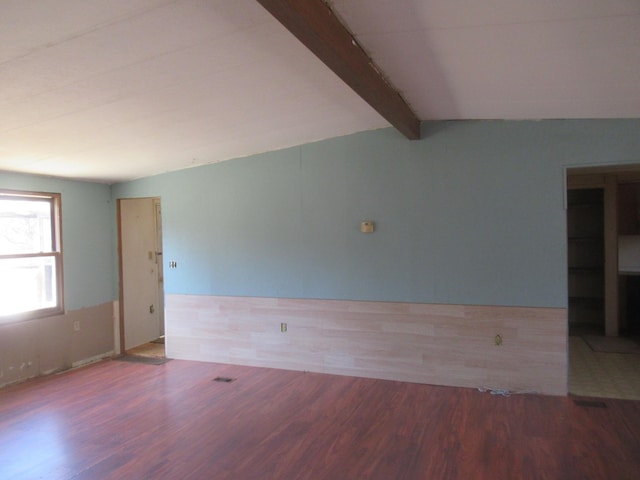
(121, 89)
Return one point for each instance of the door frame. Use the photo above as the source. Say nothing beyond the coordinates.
(607, 178)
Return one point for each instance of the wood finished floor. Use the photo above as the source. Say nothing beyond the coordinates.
(117, 420)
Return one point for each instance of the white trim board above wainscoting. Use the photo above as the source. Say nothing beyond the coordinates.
(452, 345)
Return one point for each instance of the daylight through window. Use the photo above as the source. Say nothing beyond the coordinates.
(30, 254)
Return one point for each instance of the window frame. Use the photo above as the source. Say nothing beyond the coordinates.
(55, 200)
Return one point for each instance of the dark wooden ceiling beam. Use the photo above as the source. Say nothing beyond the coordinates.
(315, 25)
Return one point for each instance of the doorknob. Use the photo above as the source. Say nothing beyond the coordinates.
(151, 309)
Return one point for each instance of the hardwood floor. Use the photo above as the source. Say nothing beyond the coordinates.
(118, 420)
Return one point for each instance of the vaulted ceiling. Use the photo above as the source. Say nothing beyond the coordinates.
(120, 89)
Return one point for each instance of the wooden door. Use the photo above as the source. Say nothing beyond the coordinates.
(140, 294)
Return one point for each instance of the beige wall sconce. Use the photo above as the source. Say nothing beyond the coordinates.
(367, 226)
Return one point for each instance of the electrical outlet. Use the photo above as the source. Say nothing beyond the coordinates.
(283, 327)
(76, 326)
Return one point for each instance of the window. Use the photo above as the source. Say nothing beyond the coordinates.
(30, 255)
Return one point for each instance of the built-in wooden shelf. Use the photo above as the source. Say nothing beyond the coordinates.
(587, 239)
(587, 270)
(585, 228)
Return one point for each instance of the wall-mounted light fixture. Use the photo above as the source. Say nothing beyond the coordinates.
(367, 226)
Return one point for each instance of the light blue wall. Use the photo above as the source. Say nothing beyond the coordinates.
(87, 224)
(472, 214)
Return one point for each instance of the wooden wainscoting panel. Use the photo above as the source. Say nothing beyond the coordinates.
(437, 344)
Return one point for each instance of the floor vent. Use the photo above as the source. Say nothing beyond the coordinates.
(224, 379)
(590, 403)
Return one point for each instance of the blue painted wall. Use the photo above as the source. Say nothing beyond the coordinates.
(87, 224)
(472, 214)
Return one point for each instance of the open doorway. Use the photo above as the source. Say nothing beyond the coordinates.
(141, 277)
(603, 250)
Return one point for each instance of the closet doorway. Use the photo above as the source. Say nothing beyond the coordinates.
(603, 250)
